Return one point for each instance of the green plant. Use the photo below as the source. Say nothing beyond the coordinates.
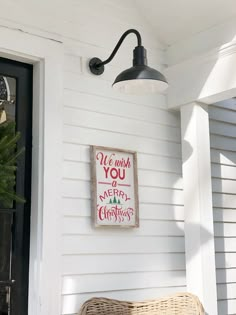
(8, 158)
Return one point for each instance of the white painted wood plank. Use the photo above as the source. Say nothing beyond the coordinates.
(224, 186)
(81, 153)
(76, 189)
(220, 158)
(82, 207)
(225, 244)
(226, 104)
(225, 260)
(160, 179)
(222, 129)
(226, 276)
(81, 171)
(226, 291)
(225, 229)
(84, 226)
(82, 189)
(223, 143)
(76, 170)
(223, 157)
(85, 136)
(227, 307)
(161, 212)
(120, 281)
(160, 195)
(76, 152)
(102, 104)
(72, 63)
(100, 121)
(72, 303)
(159, 163)
(79, 244)
(117, 263)
(224, 215)
(224, 201)
(223, 171)
(223, 115)
(97, 86)
(76, 207)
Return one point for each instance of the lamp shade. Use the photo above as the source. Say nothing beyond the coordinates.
(140, 79)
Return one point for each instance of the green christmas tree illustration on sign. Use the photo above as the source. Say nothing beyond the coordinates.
(114, 201)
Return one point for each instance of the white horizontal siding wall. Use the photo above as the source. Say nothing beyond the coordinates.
(223, 156)
(133, 263)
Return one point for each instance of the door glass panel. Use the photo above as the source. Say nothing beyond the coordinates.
(5, 245)
(7, 113)
(8, 96)
(5, 260)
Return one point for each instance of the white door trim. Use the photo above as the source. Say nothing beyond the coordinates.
(45, 254)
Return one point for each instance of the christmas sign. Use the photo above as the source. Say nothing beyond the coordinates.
(114, 187)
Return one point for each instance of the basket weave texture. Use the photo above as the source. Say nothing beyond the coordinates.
(177, 304)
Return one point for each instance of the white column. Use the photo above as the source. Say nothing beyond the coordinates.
(199, 233)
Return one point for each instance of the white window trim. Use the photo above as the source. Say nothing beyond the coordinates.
(45, 253)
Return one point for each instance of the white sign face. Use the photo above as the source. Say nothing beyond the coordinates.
(114, 187)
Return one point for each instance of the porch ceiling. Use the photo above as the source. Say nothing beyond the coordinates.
(174, 21)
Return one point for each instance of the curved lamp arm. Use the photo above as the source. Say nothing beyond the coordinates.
(96, 65)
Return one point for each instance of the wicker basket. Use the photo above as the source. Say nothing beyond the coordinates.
(177, 304)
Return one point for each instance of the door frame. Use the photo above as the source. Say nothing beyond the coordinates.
(46, 55)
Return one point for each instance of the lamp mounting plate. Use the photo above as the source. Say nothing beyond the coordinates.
(94, 66)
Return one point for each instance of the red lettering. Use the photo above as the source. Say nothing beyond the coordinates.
(104, 159)
(123, 176)
(114, 213)
(100, 157)
(106, 169)
(114, 173)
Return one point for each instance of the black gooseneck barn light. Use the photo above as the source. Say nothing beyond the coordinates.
(138, 79)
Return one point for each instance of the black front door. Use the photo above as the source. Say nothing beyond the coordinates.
(16, 101)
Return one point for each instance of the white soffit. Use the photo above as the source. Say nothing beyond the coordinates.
(174, 21)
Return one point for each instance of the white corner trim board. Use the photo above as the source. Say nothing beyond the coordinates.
(45, 270)
(199, 231)
(207, 78)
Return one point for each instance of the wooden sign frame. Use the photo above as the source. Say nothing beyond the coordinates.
(114, 187)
